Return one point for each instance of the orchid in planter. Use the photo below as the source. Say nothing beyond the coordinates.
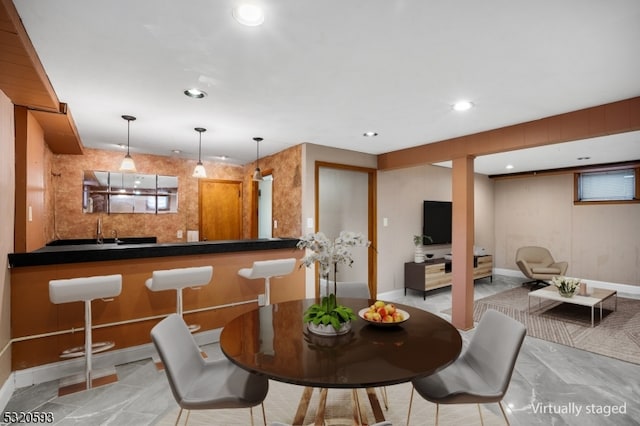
(566, 286)
(328, 254)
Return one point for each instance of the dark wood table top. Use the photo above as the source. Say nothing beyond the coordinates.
(274, 341)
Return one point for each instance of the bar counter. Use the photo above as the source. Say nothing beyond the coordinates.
(56, 254)
(41, 330)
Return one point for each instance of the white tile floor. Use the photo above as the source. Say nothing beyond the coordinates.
(547, 377)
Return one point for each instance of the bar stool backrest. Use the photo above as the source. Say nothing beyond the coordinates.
(172, 279)
(85, 288)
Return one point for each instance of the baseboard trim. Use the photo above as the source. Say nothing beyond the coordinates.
(6, 391)
(625, 289)
(61, 369)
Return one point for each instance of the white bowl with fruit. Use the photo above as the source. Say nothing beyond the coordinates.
(383, 314)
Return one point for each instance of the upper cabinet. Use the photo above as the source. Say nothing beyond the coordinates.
(115, 192)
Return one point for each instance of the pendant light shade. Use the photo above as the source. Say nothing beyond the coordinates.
(199, 171)
(257, 174)
(127, 164)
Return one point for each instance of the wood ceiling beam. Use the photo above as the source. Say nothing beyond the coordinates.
(609, 119)
(24, 80)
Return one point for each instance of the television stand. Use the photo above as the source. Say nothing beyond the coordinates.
(436, 273)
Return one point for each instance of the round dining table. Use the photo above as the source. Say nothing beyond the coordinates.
(274, 341)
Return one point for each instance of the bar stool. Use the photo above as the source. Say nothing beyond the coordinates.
(86, 290)
(267, 269)
(177, 279)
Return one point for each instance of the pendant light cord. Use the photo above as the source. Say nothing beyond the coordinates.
(128, 134)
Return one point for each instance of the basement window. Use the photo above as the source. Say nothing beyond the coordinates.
(607, 186)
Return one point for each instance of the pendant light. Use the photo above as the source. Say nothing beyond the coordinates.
(257, 174)
(127, 164)
(199, 171)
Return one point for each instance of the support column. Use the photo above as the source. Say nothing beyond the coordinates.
(462, 243)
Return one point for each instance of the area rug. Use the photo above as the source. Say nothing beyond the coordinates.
(617, 336)
(282, 401)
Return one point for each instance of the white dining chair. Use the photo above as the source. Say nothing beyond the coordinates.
(482, 373)
(201, 384)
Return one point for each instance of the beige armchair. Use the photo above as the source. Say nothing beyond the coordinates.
(537, 264)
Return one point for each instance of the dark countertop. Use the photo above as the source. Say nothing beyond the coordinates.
(59, 254)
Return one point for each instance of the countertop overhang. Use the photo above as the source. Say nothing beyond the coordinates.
(53, 255)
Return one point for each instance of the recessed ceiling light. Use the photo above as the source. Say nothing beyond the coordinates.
(250, 15)
(176, 151)
(195, 93)
(462, 105)
(370, 134)
(509, 166)
(122, 145)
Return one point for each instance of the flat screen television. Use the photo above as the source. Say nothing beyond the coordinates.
(436, 222)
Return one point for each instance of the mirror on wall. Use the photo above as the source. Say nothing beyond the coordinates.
(115, 192)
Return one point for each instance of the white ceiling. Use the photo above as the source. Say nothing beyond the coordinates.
(327, 71)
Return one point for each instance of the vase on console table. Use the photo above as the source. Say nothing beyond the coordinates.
(418, 255)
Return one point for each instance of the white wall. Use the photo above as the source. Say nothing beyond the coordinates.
(310, 154)
(7, 223)
(344, 206)
(400, 196)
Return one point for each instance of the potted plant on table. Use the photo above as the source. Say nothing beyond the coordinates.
(567, 287)
(329, 317)
(418, 241)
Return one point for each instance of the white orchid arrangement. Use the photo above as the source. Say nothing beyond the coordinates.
(330, 252)
(566, 285)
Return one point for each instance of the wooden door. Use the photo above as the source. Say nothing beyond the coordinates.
(220, 203)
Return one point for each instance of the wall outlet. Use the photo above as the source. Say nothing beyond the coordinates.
(261, 300)
(275, 224)
(179, 233)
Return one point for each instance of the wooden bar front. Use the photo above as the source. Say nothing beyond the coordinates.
(127, 319)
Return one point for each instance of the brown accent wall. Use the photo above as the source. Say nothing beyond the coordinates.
(70, 222)
(286, 169)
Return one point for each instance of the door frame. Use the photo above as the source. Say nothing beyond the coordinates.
(253, 208)
(372, 229)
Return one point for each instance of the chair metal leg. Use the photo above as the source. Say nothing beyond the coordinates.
(267, 291)
(437, 413)
(186, 420)
(503, 413)
(384, 398)
(264, 415)
(88, 343)
(251, 415)
(410, 402)
(480, 412)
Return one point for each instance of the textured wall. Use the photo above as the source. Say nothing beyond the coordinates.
(66, 185)
(285, 167)
(70, 222)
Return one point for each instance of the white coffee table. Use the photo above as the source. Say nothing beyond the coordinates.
(595, 297)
